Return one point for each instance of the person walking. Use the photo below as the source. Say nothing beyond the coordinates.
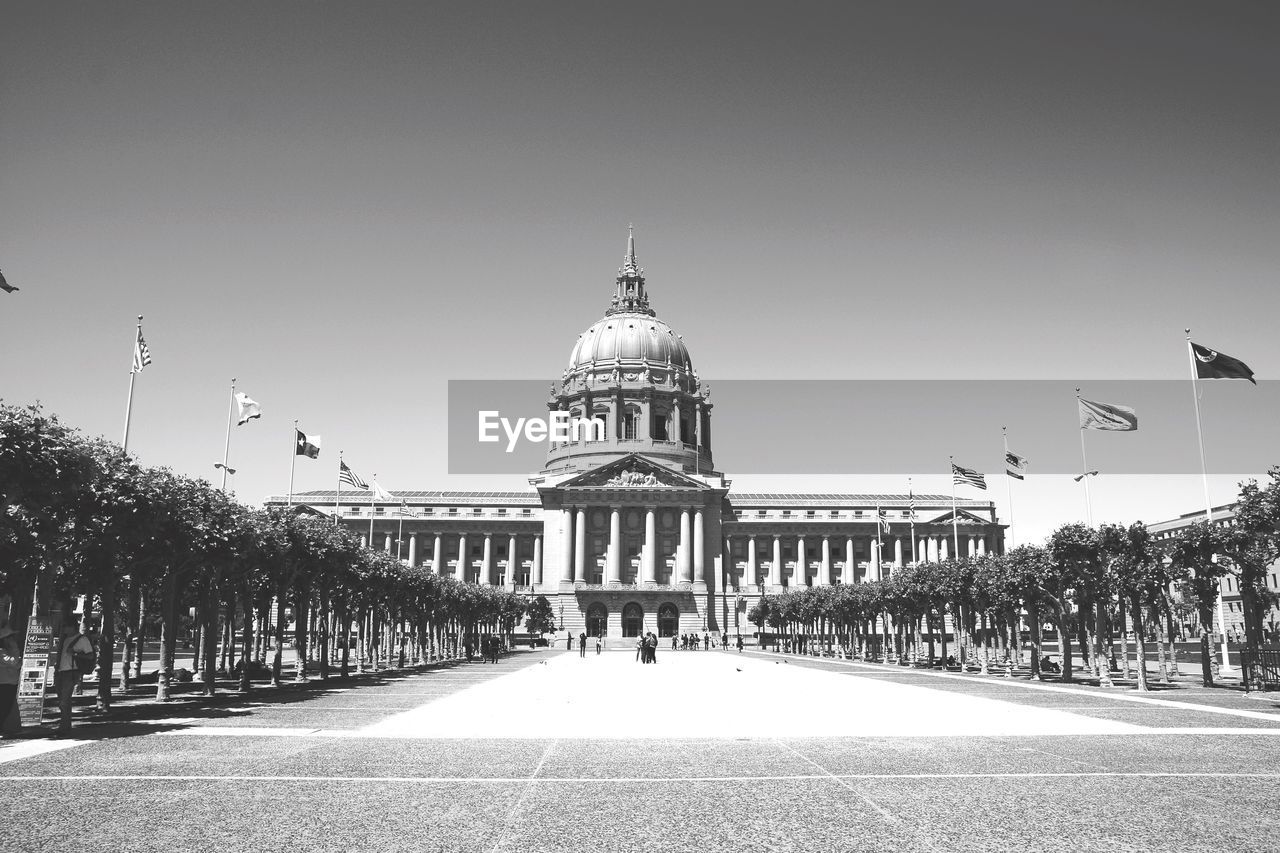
(652, 643)
(10, 672)
(582, 644)
(74, 649)
(597, 644)
(675, 643)
(640, 651)
(706, 641)
(739, 644)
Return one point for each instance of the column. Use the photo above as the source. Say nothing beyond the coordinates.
(413, 549)
(727, 567)
(463, 571)
(677, 434)
(699, 549)
(824, 573)
(973, 547)
(683, 563)
(535, 571)
(874, 562)
(580, 547)
(897, 551)
(613, 557)
(801, 577)
(566, 545)
(437, 553)
(753, 569)
(775, 573)
(486, 561)
(982, 545)
(513, 562)
(386, 543)
(850, 573)
(944, 549)
(649, 554)
(933, 549)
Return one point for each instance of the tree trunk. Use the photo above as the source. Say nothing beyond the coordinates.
(1162, 663)
(168, 635)
(131, 620)
(1104, 658)
(301, 614)
(106, 643)
(246, 654)
(1124, 642)
(1139, 631)
(209, 637)
(1037, 640)
(1064, 642)
(277, 660)
(324, 636)
(1169, 634)
(1207, 660)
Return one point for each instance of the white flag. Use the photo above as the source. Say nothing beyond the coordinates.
(380, 493)
(248, 409)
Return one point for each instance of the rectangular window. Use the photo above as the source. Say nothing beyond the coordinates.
(477, 511)
(761, 513)
(835, 513)
(453, 510)
(502, 510)
(786, 513)
(379, 510)
(526, 512)
(809, 513)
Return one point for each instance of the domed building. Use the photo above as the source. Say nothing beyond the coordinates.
(629, 527)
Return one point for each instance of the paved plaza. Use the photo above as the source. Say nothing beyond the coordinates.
(547, 751)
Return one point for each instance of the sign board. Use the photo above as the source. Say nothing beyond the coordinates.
(38, 661)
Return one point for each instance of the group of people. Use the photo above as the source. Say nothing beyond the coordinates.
(76, 657)
(685, 642)
(647, 648)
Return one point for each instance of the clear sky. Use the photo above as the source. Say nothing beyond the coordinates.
(345, 205)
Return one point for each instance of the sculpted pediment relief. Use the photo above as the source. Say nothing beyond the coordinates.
(634, 472)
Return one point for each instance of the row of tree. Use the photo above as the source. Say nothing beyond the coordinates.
(82, 518)
(1091, 584)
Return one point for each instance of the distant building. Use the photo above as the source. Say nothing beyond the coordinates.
(633, 529)
(1233, 612)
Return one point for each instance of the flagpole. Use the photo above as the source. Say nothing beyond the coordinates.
(1008, 482)
(400, 537)
(128, 405)
(912, 510)
(1088, 498)
(372, 495)
(337, 495)
(955, 512)
(879, 545)
(226, 449)
(1208, 503)
(293, 460)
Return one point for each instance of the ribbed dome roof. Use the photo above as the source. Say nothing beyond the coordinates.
(631, 337)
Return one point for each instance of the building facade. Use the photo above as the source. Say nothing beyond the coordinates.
(630, 527)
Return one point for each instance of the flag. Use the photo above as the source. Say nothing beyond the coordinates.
(1085, 474)
(1107, 416)
(306, 445)
(1015, 466)
(381, 494)
(248, 408)
(1215, 365)
(404, 509)
(141, 354)
(882, 515)
(911, 505)
(6, 286)
(967, 477)
(346, 475)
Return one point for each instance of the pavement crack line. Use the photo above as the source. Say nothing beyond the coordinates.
(508, 823)
(1064, 758)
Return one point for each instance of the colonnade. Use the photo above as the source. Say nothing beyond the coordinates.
(690, 551)
(489, 564)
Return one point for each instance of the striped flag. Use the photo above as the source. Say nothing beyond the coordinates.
(967, 477)
(1015, 466)
(911, 504)
(404, 509)
(346, 475)
(882, 515)
(141, 354)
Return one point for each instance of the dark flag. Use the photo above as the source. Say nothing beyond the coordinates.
(6, 286)
(308, 446)
(1216, 365)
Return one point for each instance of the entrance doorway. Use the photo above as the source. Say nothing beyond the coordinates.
(668, 620)
(597, 620)
(632, 620)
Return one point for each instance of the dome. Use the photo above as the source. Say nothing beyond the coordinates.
(632, 338)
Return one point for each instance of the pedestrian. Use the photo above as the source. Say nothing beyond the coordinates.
(653, 647)
(76, 655)
(568, 641)
(739, 644)
(706, 641)
(675, 645)
(582, 644)
(597, 644)
(10, 672)
(640, 651)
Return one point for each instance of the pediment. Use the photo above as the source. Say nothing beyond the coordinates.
(962, 518)
(633, 472)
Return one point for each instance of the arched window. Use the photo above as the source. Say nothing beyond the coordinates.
(632, 620)
(658, 425)
(631, 422)
(597, 620)
(600, 431)
(668, 620)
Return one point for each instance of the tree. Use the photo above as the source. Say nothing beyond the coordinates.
(1252, 543)
(1142, 578)
(1194, 555)
(540, 618)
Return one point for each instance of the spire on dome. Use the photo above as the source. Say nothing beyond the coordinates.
(630, 295)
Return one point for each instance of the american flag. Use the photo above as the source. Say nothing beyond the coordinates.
(346, 475)
(141, 354)
(967, 477)
(882, 515)
(404, 509)
(911, 504)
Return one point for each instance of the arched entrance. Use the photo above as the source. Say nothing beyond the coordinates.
(632, 620)
(597, 620)
(668, 620)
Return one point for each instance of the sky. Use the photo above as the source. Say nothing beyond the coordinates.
(344, 206)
